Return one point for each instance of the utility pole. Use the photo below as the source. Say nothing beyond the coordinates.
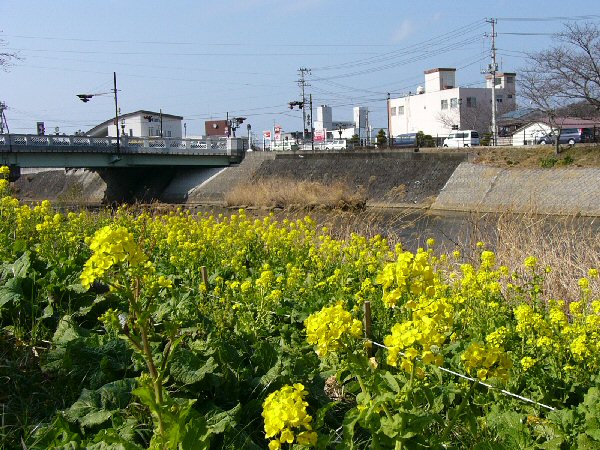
(492, 69)
(312, 129)
(2, 118)
(388, 121)
(368, 137)
(117, 114)
(302, 83)
(161, 123)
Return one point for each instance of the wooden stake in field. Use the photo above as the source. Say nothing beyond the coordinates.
(367, 326)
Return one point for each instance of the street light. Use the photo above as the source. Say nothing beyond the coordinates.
(87, 97)
(249, 128)
(234, 124)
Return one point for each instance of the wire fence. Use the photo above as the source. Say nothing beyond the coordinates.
(475, 380)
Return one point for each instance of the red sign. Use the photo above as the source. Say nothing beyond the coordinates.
(277, 129)
(320, 135)
(267, 134)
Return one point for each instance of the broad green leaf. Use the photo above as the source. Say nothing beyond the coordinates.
(66, 331)
(188, 368)
(95, 407)
(19, 268)
(392, 383)
(11, 292)
(222, 421)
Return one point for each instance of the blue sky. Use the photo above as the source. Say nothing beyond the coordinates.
(201, 59)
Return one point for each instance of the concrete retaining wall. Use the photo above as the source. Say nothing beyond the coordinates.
(549, 191)
(444, 181)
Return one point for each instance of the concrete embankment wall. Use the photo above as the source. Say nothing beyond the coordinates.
(442, 181)
(388, 179)
(549, 191)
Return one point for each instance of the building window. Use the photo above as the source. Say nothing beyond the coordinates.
(499, 98)
(400, 110)
(150, 131)
(510, 80)
(453, 103)
(130, 132)
(444, 104)
(393, 111)
(498, 81)
(471, 102)
(168, 134)
(510, 96)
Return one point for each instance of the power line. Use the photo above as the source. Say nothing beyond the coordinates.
(211, 44)
(546, 19)
(442, 50)
(417, 47)
(153, 53)
(528, 34)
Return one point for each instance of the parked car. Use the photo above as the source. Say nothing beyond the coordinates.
(337, 144)
(462, 138)
(569, 136)
(405, 140)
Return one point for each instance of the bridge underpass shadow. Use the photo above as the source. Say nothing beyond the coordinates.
(131, 185)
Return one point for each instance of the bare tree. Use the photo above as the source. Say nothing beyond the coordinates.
(478, 117)
(567, 73)
(6, 58)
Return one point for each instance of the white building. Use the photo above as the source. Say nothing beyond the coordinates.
(141, 124)
(441, 106)
(343, 129)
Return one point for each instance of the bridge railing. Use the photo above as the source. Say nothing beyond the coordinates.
(141, 145)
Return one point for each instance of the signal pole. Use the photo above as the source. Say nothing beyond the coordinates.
(492, 69)
(302, 83)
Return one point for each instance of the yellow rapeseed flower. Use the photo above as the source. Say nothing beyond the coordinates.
(326, 328)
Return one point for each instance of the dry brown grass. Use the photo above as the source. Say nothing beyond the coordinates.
(569, 246)
(531, 157)
(527, 157)
(286, 193)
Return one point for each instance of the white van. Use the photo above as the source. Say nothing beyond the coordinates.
(336, 144)
(462, 138)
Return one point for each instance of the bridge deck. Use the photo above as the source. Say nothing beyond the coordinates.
(24, 150)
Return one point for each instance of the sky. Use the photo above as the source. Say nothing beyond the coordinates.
(203, 60)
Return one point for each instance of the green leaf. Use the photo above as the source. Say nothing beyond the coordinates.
(11, 292)
(225, 420)
(392, 383)
(392, 426)
(350, 420)
(188, 368)
(94, 407)
(66, 331)
(18, 269)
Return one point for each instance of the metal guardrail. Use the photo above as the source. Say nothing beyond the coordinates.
(131, 145)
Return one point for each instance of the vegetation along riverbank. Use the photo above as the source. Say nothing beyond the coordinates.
(131, 329)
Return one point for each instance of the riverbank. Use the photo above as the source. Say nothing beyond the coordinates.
(479, 179)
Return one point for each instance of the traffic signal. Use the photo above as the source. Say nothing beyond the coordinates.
(84, 97)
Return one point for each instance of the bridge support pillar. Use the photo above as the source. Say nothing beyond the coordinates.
(15, 173)
(130, 185)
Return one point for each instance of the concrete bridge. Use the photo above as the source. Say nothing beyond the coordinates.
(35, 151)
